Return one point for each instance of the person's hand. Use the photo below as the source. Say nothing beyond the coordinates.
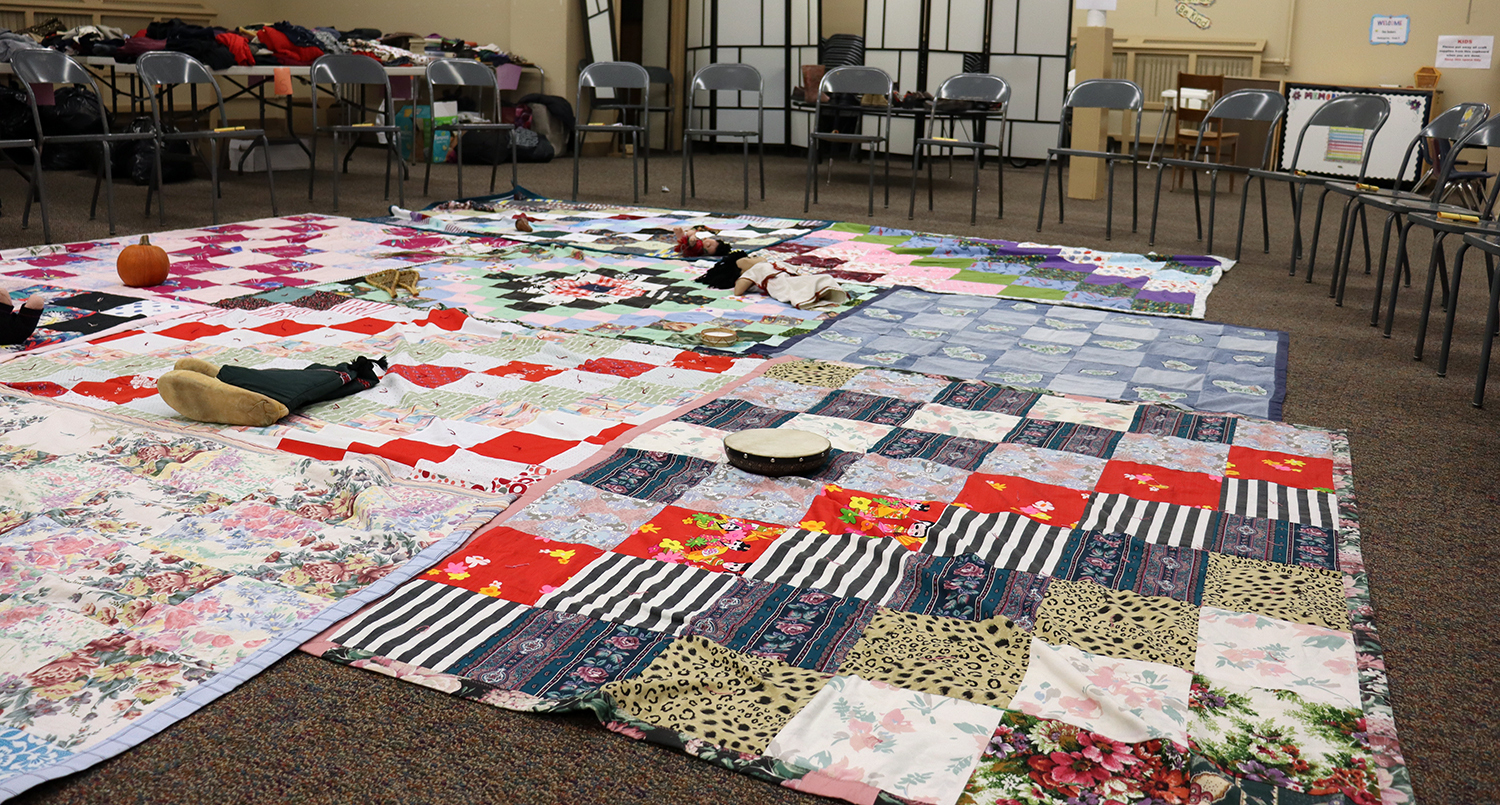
(5, 298)
(36, 301)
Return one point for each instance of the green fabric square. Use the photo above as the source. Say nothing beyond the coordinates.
(985, 276)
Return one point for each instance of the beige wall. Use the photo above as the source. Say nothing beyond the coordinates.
(843, 17)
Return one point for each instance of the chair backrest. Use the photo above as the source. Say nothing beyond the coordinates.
(1368, 112)
(1444, 130)
(1484, 135)
(166, 68)
(857, 79)
(976, 87)
(37, 66)
(351, 68)
(1103, 93)
(463, 73)
(729, 78)
(1252, 105)
(612, 75)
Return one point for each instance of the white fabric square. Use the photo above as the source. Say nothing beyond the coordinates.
(1243, 651)
(1127, 700)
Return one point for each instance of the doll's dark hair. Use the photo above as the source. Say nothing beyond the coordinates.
(725, 273)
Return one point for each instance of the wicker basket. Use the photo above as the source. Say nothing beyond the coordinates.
(1427, 77)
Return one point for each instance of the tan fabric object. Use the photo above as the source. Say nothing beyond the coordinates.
(207, 399)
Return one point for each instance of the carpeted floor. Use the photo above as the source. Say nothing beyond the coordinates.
(1426, 465)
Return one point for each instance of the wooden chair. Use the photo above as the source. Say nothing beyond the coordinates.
(1194, 122)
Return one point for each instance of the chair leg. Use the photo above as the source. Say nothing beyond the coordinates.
(974, 202)
(1041, 209)
(1390, 313)
(1297, 198)
(393, 152)
(1239, 232)
(109, 188)
(577, 146)
(687, 156)
(1312, 252)
(1488, 343)
(98, 184)
(1385, 241)
(1109, 201)
(270, 175)
(761, 147)
(911, 206)
(426, 179)
(213, 173)
(1155, 209)
(1135, 191)
(1346, 237)
(887, 169)
(1265, 220)
(1213, 200)
(1000, 170)
(1197, 204)
(312, 164)
(1364, 228)
(515, 178)
(929, 183)
(872, 187)
(635, 165)
(807, 189)
(745, 153)
(1489, 328)
(336, 171)
(1432, 269)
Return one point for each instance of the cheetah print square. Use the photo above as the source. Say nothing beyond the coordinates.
(1118, 623)
(981, 661)
(1286, 592)
(813, 373)
(703, 690)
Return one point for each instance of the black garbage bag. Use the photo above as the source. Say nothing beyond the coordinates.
(75, 110)
(492, 147)
(136, 159)
(15, 122)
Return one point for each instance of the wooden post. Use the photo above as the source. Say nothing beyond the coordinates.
(1093, 58)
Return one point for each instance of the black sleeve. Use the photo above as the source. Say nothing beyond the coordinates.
(17, 325)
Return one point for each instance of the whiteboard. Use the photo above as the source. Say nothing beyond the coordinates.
(1322, 147)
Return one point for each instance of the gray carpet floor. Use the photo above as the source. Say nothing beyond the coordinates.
(1426, 478)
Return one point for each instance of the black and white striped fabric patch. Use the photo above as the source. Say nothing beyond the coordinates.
(644, 593)
(1264, 499)
(846, 565)
(1151, 521)
(429, 624)
(1003, 539)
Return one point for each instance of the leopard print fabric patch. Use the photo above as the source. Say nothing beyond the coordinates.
(1287, 592)
(1118, 623)
(701, 689)
(814, 373)
(981, 661)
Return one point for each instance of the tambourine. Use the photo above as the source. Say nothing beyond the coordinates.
(719, 337)
(777, 451)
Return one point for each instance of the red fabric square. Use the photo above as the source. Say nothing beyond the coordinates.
(523, 448)
(610, 434)
(116, 336)
(41, 388)
(513, 565)
(521, 370)
(118, 390)
(285, 328)
(837, 510)
(193, 330)
(1302, 472)
(366, 325)
(710, 541)
(322, 452)
(428, 375)
(1150, 482)
(616, 367)
(1045, 503)
(450, 319)
(408, 452)
(703, 363)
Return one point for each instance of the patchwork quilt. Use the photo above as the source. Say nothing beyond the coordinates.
(144, 573)
(563, 288)
(1165, 286)
(987, 595)
(1118, 356)
(486, 405)
(218, 262)
(600, 227)
(72, 314)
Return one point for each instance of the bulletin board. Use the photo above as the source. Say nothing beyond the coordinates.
(1336, 152)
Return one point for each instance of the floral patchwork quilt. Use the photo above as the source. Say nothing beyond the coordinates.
(1119, 356)
(227, 260)
(987, 595)
(563, 288)
(487, 405)
(599, 227)
(143, 573)
(1154, 284)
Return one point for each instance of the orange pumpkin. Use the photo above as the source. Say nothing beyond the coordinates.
(142, 264)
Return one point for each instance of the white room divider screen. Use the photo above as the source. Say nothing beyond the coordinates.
(775, 36)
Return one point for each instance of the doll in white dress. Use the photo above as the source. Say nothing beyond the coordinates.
(781, 281)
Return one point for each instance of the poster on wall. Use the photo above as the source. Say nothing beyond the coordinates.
(1336, 151)
(1389, 29)
(1465, 52)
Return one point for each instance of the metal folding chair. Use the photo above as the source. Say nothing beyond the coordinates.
(468, 73)
(857, 81)
(344, 72)
(161, 72)
(725, 78)
(1108, 94)
(1253, 105)
(36, 67)
(617, 75)
(981, 88)
(1367, 112)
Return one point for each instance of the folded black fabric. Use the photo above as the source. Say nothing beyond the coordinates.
(214, 55)
(297, 35)
(296, 388)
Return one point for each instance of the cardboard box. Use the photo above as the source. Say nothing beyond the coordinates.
(419, 142)
(284, 156)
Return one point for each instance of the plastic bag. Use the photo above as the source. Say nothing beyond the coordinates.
(492, 147)
(75, 111)
(137, 158)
